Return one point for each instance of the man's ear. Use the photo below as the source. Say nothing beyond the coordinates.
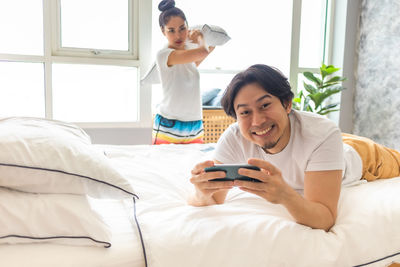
(288, 106)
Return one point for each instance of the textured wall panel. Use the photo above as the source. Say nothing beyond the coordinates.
(377, 97)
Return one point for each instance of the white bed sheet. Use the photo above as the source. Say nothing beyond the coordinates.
(245, 231)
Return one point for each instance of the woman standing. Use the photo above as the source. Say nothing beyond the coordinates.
(179, 118)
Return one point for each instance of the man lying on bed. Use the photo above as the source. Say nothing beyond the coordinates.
(296, 152)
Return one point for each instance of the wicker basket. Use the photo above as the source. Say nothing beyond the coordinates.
(215, 122)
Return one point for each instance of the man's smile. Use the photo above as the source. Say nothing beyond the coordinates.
(262, 132)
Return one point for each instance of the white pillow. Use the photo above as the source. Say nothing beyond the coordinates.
(208, 95)
(213, 35)
(56, 218)
(47, 156)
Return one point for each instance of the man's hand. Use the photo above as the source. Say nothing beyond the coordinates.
(273, 188)
(208, 192)
(318, 207)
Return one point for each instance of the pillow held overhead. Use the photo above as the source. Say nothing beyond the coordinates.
(214, 35)
(47, 156)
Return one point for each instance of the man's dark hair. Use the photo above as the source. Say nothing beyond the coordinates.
(269, 78)
(168, 10)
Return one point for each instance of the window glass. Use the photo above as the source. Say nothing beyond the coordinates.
(95, 24)
(215, 80)
(300, 82)
(312, 33)
(21, 27)
(207, 81)
(21, 89)
(260, 31)
(94, 93)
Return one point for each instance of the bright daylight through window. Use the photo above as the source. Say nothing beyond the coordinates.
(79, 60)
(261, 32)
(71, 60)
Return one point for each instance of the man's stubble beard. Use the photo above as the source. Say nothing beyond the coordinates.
(270, 145)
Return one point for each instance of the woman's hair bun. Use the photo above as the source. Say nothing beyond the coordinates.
(166, 4)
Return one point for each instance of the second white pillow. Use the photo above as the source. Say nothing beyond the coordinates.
(55, 218)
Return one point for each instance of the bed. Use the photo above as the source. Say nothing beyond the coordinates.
(152, 224)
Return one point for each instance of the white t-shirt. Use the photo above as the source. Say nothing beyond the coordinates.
(181, 89)
(315, 145)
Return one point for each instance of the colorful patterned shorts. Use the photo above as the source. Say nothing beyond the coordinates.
(166, 131)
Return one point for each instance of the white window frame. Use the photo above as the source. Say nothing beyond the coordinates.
(295, 69)
(139, 55)
(53, 53)
(132, 53)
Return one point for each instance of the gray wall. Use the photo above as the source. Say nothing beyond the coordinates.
(377, 94)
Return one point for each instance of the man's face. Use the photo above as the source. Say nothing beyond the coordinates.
(262, 118)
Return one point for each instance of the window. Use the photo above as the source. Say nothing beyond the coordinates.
(287, 34)
(81, 60)
(73, 60)
(27, 22)
(99, 28)
(260, 31)
(314, 40)
(97, 93)
(21, 89)
(95, 24)
(312, 32)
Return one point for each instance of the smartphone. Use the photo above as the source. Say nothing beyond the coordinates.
(231, 171)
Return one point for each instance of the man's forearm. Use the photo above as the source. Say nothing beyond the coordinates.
(309, 213)
(199, 200)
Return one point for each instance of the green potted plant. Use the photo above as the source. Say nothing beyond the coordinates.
(314, 96)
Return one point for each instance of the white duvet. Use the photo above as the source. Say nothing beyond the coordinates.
(247, 230)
